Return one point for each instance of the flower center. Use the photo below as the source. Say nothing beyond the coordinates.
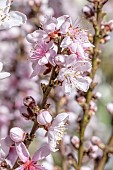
(60, 130)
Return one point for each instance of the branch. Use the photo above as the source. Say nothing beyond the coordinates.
(106, 152)
(96, 42)
(46, 92)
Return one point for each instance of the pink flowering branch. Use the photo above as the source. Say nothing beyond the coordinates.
(46, 93)
(95, 61)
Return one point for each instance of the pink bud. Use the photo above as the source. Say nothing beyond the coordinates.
(97, 95)
(95, 140)
(75, 141)
(110, 108)
(111, 25)
(17, 134)
(88, 11)
(60, 59)
(44, 117)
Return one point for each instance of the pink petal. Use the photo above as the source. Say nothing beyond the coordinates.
(66, 42)
(12, 156)
(22, 152)
(82, 66)
(20, 168)
(43, 152)
(37, 70)
(66, 87)
(61, 20)
(36, 36)
(60, 118)
(81, 83)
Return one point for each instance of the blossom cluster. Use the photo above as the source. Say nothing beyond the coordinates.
(60, 42)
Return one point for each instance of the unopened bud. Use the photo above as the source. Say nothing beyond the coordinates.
(111, 25)
(105, 39)
(93, 106)
(75, 141)
(81, 100)
(97, 95)
(17, 134)
(88, 11)
(44, 117)
(110, 108)
(95, 140)
(28, 100)
(60, 59)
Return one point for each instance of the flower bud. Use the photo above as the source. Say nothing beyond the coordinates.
(75, 141)
(88, 11)
(60, 59)
(81, 100)
(105, 39)
(95, 140)
(110, 108)
(111, 25)
(28, 100)
(44, 117)
(17, 134)
(93, 106)
(97, 95)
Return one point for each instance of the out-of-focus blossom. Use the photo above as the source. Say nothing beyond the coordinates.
(3, 75)
(73, 77)
(27, 162)
(9, 18)
(56, 130)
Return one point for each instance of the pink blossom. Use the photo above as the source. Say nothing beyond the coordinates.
(43, 53)
(56, 130)
(72, 77)
(27, 162)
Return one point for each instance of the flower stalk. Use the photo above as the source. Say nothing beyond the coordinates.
(95, 56)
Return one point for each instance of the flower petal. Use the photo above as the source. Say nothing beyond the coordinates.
(1, 66)
(81, 83)
(66, 87)
(4, 3)
(20, 168)
(66, 42)
(22, 152)
(37, 70)
(36, 36)
(14, 18)
(43, 152)
(82, 66)
(62, 117)
(4, 75)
